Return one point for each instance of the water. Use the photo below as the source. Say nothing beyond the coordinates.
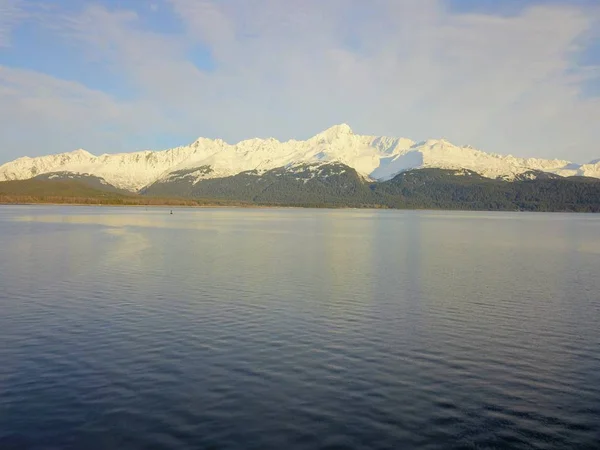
(298, 329)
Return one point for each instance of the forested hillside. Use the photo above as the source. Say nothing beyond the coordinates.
(329, 185)
(340, 186)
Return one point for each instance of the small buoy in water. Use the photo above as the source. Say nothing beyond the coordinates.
(171, 212)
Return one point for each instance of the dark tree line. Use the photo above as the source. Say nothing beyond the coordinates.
(333, 185)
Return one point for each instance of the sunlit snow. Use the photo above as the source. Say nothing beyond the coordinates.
(373, 157)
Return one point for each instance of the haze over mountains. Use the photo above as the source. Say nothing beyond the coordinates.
(375, 158)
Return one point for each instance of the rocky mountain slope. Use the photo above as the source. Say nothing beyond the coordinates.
(372, 157)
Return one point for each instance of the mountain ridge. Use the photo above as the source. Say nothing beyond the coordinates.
(325, 185)
(376, 158)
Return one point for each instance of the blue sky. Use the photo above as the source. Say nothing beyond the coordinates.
(508, 76)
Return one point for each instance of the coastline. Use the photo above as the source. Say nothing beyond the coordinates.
(272, 206)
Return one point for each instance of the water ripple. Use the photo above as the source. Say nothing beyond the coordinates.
(300, 329)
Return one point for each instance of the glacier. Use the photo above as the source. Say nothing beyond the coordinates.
(376, 158)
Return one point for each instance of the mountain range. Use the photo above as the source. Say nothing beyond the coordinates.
(334, 168)
(375, 158)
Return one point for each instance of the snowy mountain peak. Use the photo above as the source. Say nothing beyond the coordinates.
(439, 144)
(81, 152)
(373, 157)
(335, 132)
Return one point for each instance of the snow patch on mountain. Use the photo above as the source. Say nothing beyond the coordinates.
(373, 157)
(591, 169)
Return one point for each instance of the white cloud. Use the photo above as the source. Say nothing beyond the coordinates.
(10, 16)
(508, 84)
(42, 114)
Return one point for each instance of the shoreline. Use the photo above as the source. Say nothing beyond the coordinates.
(109, 205)
(259, 206)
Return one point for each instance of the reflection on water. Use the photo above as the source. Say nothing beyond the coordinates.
(285, 328)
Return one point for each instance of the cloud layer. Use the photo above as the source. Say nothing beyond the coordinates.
(237, 69)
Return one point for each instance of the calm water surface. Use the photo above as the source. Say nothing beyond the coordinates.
(298, 329)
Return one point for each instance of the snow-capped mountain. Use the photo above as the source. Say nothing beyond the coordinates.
(373, 157)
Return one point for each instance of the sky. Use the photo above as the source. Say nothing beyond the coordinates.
(506, 76)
